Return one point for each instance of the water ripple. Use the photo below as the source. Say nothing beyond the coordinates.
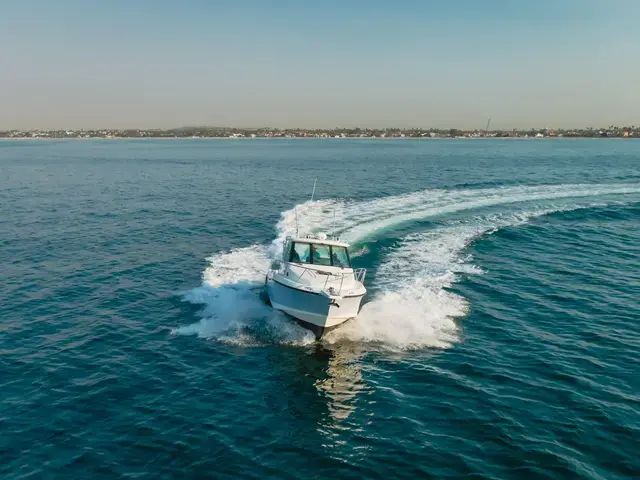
(500, 339)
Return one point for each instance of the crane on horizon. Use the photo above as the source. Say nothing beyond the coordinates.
(486, 129)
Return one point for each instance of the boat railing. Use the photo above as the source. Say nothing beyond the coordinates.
(358, 274)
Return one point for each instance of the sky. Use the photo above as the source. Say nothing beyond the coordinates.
(298, 63)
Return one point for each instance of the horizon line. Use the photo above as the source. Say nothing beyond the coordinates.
(352, 127)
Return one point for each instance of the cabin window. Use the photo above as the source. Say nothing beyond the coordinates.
(339, 257)
(301, 253)
(318, 254)
(321, 255)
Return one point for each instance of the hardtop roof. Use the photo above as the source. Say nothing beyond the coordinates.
(319, 241)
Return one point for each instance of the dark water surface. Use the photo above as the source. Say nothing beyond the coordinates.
(500, 338)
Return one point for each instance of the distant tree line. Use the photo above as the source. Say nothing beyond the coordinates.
(218, 132)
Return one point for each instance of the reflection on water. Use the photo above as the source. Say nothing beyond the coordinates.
(343, 381)
(323, 390)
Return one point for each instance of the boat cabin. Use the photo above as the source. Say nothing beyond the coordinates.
(317, 251)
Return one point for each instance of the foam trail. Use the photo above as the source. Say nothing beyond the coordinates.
(363, 220)
(413, 308)
(232, 309)
(357, 221)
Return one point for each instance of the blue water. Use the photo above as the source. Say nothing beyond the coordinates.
(500, 338)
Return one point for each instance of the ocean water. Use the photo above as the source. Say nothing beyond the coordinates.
(500, 337)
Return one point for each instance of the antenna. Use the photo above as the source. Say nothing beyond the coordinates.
(295, 210)
(334, 222)
(314, 188)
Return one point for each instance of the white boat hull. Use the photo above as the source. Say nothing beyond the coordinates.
(316, 311)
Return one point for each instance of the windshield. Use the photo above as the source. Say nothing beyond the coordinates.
(321, 255)
(301, 253)
(318, 254)
(340, 257)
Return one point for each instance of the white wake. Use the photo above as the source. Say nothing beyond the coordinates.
(413, 306)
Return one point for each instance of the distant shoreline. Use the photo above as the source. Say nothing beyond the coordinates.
(317, 138)
(337, 133)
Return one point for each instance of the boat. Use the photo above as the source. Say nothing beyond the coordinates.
(315, 283)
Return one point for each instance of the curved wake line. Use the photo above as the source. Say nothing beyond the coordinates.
(413, 307)
(382, 214)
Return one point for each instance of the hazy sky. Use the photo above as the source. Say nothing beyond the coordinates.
(445, 63)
